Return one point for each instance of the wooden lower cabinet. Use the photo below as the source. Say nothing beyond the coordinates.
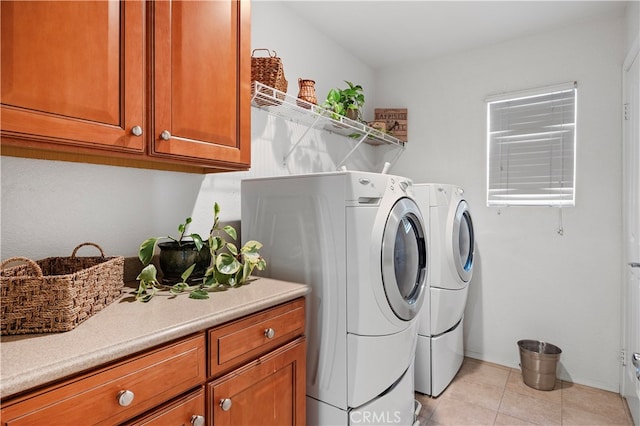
(177, 383)
(268, 391)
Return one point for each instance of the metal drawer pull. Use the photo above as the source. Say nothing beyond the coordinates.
(225, 404)
(634, 264)
(125, 398)
(165, 135)
(269, 333)
(197, 420)
(136, 130)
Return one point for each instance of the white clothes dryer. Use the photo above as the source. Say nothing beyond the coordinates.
(440, 349)
(359, 240)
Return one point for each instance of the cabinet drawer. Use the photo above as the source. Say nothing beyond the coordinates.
(240, 341)
(151, 378)
(187, 410)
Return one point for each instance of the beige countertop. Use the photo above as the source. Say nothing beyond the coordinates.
(126, 327)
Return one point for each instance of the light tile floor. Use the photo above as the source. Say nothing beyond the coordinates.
(489, 394)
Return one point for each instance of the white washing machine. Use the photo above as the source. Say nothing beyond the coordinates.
(358, 239)
(440, 349)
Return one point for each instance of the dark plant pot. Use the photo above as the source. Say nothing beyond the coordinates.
(175, 259)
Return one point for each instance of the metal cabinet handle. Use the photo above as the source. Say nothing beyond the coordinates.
(269, 333)
(125, 398)
(165, 135)
(634, 264)
(136, 131)
(225, 404)
(197, 420)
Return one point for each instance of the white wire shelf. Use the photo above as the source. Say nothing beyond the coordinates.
(313, 116)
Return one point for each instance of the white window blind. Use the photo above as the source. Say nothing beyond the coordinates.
(531, 144)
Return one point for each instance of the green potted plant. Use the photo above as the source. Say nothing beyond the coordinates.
(345, 102)
(228, 266)
(177, 254)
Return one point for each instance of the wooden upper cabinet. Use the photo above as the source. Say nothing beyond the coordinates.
(156, 84)
(72, 73)
(201, 82)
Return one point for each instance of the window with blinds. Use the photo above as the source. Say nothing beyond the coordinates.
(531, 145)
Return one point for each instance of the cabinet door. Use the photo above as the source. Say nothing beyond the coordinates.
(72, 74)
(270, 390)
(201, 83)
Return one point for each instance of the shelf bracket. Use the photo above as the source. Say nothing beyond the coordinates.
(295, 145)
(395, 158)
(344, 160)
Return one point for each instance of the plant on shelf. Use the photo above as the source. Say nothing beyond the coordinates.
(227, 265)
(345, 102)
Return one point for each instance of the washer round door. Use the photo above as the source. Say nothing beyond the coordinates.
(463, 241)
(404, 259)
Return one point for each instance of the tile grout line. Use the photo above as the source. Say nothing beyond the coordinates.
(504, 390)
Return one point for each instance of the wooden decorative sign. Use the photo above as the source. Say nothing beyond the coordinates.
(395, 119)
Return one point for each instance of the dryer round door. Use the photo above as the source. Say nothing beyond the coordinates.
(463, 241)
(404, 259)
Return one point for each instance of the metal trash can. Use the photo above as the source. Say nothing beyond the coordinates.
(539, 361)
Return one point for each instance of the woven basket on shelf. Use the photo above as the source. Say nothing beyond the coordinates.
(58, 293)
(270, 72)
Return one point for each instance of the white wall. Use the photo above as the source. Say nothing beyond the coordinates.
(49, 207)
(529, 282)
(632, 24)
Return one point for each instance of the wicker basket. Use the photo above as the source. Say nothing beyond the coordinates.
(270, 72)
(58, 293)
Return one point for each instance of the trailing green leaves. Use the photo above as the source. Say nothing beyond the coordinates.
(199, 294)
(230, 266)
(146, 287)
(145, 252)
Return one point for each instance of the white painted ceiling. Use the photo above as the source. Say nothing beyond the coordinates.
(384, 32)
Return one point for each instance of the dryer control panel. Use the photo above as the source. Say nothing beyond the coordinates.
(369, 188)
